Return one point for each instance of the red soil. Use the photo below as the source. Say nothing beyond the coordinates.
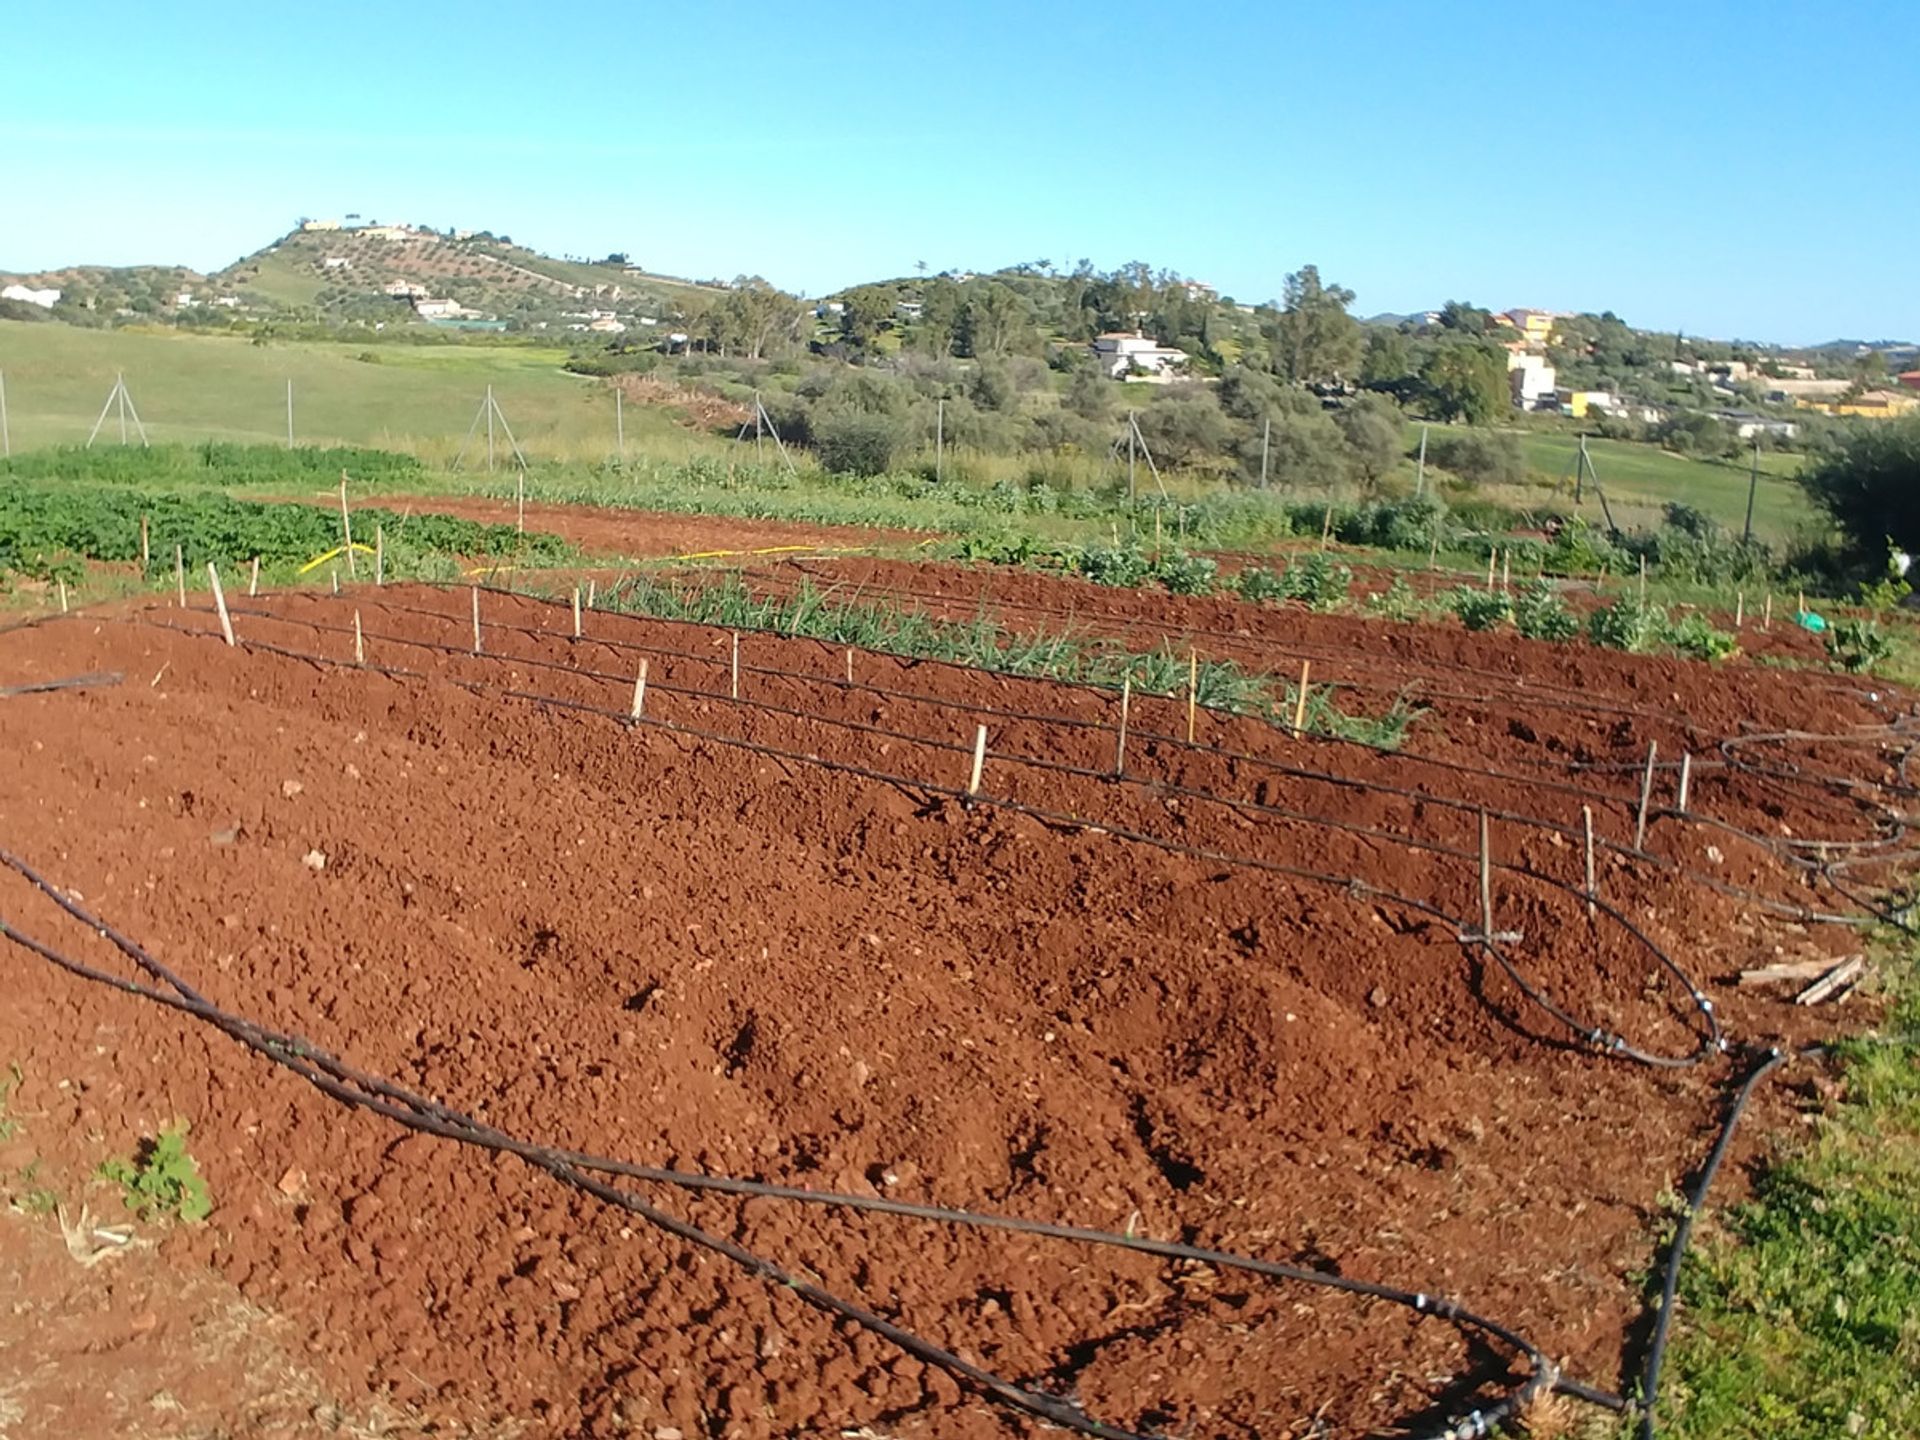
(682, 952)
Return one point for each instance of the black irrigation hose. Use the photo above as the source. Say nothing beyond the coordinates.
(1786, 908)
(358, 1089)
(98, 679)
(1710, 1041)
(1770, 1061)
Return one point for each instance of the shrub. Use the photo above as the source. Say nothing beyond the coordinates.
(1396, 602)
(1320, 581)
(1857, 646)
(1187, 574)
(1477, 457)
(1628, 624)
(1481, 609)
(1114, 565)
(853, 443)
(1693, 635)
(1258, 584)
(1540, 614)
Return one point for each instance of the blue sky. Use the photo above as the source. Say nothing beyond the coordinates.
(1732, 169)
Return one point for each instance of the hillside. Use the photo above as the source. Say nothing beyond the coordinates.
(348, 274)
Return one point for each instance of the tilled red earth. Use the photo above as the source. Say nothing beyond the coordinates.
(767, 937)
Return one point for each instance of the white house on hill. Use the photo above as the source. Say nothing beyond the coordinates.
(1124, 356)
(45, 299)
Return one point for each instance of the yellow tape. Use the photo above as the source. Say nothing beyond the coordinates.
(333, 554)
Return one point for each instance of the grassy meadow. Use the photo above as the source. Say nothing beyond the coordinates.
(419, 399)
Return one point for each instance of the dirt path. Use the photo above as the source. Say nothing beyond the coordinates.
(687, 952)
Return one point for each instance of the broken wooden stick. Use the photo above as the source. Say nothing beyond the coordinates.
(979, 759)
(220, 602)
(640, 691)
(1646, 796)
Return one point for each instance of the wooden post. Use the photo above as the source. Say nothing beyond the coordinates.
(1766, 615)
(640, 691)
(1803, 607)
(576, 612)
(1120, 746)
(979, 758)
(63, 597)
(1686, 778)
(1506, 569)
(335, 573)
(1193, 690)
(849, 667)
(1739, 608)
(1586, 824)
(1326, 528)
(1300, 700)
(359, 645)
(1492, 555)
(1646, 795)
(346, 528)
(180, 576)
(520, 500)
(220, 602)
(736, 664)
(1643, 579)
(590, 592)
(1486, 883)
(379, 554)
(146, 555)
(1433, 550)
(253, 578)
(476, 619)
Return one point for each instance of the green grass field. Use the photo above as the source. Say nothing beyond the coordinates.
(420, 399)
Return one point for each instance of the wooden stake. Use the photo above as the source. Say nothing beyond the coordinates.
(849, 666)
(1433, 549)
(346, 528)
(146, 555)
(736, 664)
(1506, 569)
(979, 758)
(1326, 528)
(63, 597)
(253, 579)
(180, 575)
(1586, 824)
(1686, 777)
(1486, 883)
(1739, 608)
(476, 619)
(640, 691)
(576, 612)
(589, 593)
(1492, 555)
(520, 497)
(1646, 795)
(335, 573)
(359, 645)
(220, 602)
(1766, 615)
(1643, 579)
(1120, 746)
(1300, 700)
(1193, 691)
(1803, 606)
(379, 554)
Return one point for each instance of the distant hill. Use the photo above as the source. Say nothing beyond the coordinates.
(1860, 347)
(374, 274)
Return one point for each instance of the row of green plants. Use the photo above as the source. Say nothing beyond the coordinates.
(50, 533)
(214, 463)
(823, 614)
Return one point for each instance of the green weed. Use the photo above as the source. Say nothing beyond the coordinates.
(162, 1181)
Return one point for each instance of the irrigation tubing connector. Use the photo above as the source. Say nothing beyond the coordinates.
(356, 1089)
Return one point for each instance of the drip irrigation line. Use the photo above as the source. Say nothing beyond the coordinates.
(1768, 1062)
(357, 1089)
(1407, 794)
(1710, 1039)
(98, 679)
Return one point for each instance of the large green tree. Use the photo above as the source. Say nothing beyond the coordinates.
(1313, 339)
(1869, 483)
(1466, 380)
(996, 320)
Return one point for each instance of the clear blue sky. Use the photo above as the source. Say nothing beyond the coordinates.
(1736, 169)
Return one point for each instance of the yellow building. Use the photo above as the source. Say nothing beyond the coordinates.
(1535, 326)
(1875, 405)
